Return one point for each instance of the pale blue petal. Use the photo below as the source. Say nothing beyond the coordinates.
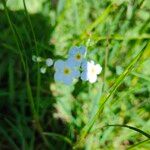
(84, 64)
(73, 51)
(67, 80)
(71, 62)
(84, 76)
(59, 64)
(58, 77)
(75, 73)
(82, 50)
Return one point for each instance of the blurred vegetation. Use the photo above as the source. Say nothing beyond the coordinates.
(114, 33)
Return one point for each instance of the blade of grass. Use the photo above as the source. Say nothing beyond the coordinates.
(20, 52)
(130, 127)
(99, 20)
(22, 46)
(58, 136)
(98, 38)
(16, 131)
(11, 80)
(105, 63)
(106, 97)
(37, 53)
(9, 139)
(123, 126)
(12, 49)
(35, 114)
(29, 91)
(142, 76)
(15, 37)
(140, 143)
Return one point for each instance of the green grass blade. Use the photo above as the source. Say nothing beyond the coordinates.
(11, 80)
(125, 126)
(58, 136)
(142, 76)
(30, 23)
(139, 143)
(15, 130)
(9, 139)
(37, 53)
(99, 20)
(106, 96)
(14, 34)
(105, 63)
(130, 127)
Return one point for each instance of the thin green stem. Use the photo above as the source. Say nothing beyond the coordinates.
(130, 127)
(123, 126)
(35, 114)
(37, 53)
(14, 34)
(105, 63)
(97, 38)
(58, 136)
(137, 144)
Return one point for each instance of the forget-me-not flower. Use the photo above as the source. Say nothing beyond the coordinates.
(90, 71)
(76, 54)
(66, 72)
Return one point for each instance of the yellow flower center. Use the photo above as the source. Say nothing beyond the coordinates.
(78, 56)
(67, 71)
(93, 70)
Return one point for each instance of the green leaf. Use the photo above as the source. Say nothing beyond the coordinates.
(59, 137)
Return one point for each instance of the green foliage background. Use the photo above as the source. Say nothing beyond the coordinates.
(37, 113)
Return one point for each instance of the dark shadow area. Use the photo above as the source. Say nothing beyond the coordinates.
(16, 124)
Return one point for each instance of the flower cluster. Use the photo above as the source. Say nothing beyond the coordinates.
(75, 66)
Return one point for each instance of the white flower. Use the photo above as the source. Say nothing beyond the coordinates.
(43, 70)
(90, 71)
(76, 54)
(65, 72)
(49, 62)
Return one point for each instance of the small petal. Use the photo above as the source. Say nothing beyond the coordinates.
(83, 50)
(57, 77)
(98, 68)
(93, 78)
(67, 80)
(73, 50)
(71, 62)
(84, 64)
(92, 62)
(59, 64)
(84, 76)
(75, 73)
